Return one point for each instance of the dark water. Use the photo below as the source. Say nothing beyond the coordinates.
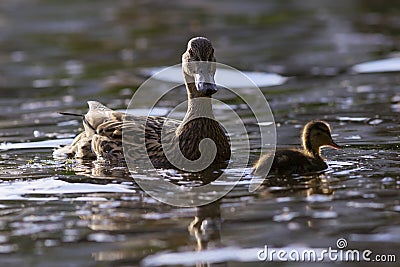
(56, 55)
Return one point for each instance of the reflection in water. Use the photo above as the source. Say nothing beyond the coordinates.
(104, 170)
(299, 185)
(206, 229)
(99, 169)
(206, 226)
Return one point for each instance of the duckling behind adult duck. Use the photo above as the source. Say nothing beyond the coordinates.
(103, 126)
(316, 134)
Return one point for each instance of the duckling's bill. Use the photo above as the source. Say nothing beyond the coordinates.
(334, 145)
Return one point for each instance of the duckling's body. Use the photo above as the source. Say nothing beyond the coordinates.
(102, 138)
(316, 134)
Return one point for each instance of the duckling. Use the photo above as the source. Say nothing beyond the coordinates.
(316, 134)
(103, 126)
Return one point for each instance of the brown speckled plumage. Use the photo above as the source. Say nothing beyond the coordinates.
(315, 135)
(102, 137)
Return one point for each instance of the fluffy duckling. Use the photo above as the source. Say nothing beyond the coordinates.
(316, 134)
(103, 126)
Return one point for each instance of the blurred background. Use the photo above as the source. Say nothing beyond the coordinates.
(55, 55)
(56, 46)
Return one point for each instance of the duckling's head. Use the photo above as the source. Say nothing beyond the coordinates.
(317, 134)
(198, 65)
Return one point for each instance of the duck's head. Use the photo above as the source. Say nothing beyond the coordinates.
(198, 65)
(317, 134)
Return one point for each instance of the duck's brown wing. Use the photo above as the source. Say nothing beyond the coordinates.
(138, 131)
(102, 137)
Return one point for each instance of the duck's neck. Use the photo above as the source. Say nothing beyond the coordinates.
(199, 118)
(311, 150)
(198, 124)
(198, 107)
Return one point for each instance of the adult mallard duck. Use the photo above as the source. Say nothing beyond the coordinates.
(102, 137)
(316, 134)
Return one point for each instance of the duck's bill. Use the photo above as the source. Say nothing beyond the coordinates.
(334, 145)
(205, 83)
